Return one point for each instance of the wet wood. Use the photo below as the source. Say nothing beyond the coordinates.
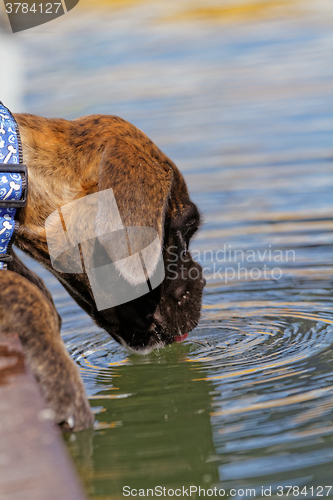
(33, 461)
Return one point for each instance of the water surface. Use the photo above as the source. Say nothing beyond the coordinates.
(245, 109)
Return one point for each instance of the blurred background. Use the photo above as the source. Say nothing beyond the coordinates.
(239, 94)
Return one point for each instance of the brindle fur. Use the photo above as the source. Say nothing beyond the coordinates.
(27, 310)
(68, 160)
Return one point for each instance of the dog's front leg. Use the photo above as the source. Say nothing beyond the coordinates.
(17, 266)
(26, 310)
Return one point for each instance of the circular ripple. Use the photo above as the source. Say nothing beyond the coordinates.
(96, 355)
(270, 367)
(261, 336)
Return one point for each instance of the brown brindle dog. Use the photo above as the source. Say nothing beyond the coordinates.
(68, 160)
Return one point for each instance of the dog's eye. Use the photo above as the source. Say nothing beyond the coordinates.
(187, 232)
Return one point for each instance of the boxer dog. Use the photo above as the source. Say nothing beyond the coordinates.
(68, 160)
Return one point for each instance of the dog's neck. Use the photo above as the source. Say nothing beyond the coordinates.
(55, 176)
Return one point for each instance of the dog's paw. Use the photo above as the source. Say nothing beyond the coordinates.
(64, 393)
(77, 416)
(68, 404)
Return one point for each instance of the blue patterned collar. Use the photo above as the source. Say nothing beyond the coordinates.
(13, 182)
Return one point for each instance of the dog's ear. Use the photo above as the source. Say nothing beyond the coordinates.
(141, 188)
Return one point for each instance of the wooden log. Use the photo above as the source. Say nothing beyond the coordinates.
(34, 464)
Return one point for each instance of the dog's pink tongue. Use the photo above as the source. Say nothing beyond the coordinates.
(180, 338)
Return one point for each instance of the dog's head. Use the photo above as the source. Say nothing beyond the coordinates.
(172, 309)
(163, 283)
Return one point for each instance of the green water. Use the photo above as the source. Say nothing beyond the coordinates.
(161, 426)
(245, 109)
